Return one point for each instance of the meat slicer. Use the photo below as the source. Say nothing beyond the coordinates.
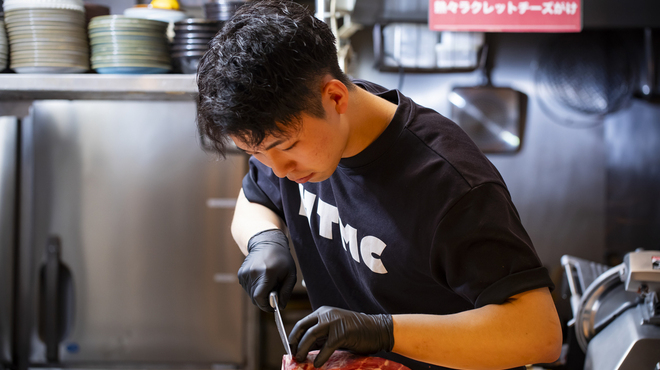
(616, 313)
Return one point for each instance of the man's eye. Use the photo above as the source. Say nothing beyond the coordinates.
(289, 148)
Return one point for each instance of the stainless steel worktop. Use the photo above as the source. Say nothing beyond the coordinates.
(92, 86)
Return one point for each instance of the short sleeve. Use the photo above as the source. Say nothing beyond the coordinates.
(260, 185)
(481, 250)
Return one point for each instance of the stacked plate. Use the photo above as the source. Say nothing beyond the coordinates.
(191, 41)
(221, 10)
(128, 45)
(3, 45)
(47, 36)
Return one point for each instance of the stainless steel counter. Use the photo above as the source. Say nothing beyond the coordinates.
(91, 86)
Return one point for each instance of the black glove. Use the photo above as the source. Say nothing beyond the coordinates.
(268, 267)
(329, 329)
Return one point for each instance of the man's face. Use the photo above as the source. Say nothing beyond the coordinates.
(311, 153)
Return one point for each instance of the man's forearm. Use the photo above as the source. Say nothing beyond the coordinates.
(250, 219)
(523, 331)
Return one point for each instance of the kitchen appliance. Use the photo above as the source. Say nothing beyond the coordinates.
(617, 317)
(126, 260)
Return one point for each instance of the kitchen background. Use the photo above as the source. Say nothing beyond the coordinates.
(114, 244)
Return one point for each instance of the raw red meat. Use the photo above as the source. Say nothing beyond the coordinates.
(342, 360)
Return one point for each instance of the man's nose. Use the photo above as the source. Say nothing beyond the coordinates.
(280, 165)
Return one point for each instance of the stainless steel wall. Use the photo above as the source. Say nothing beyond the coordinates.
(8, 151)
(557, 180)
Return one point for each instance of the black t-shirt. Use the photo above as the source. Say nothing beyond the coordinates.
(418, 222)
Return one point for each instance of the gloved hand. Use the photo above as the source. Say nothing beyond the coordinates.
(329, 329)
(268, 266)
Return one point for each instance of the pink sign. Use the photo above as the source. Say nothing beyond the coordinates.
(505, 16)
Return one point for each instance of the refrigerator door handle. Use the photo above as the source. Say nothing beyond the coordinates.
(57, 300)
(52, 299)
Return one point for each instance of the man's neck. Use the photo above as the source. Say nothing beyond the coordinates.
(367, 116)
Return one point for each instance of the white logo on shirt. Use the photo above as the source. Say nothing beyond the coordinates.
(370, 247)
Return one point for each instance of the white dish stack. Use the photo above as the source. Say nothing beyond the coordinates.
(4, 50)
(47, 36)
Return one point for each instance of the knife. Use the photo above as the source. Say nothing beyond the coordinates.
(278, 322)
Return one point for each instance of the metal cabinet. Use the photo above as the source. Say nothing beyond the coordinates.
(8, 163)
(127, 259)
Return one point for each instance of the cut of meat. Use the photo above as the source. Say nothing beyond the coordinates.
(342, 360)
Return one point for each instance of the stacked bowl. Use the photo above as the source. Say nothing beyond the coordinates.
(47, 36)
(191, 41)
(4, 50)
(221, 10)
(128, 45)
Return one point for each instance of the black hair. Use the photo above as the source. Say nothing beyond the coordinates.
(262, 71)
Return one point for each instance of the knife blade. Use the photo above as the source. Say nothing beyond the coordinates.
(278, 322)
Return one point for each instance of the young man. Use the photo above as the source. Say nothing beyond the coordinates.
(406, 235)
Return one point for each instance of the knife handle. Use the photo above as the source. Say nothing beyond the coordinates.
(272, 299)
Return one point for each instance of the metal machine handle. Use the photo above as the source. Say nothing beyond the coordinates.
(52, 307)
(585, 323)
(580, 273)
(569, 264)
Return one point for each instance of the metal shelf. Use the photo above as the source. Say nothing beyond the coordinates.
(29, 87)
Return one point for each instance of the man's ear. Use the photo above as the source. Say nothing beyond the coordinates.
(336, 93)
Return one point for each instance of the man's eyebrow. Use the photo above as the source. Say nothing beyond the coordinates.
(272, 145)
(275, 143)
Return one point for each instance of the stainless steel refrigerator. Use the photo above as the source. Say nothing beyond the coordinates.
(125, 256)
(8, 164)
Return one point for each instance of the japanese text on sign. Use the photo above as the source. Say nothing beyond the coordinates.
(521, 16)
(474, 7)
